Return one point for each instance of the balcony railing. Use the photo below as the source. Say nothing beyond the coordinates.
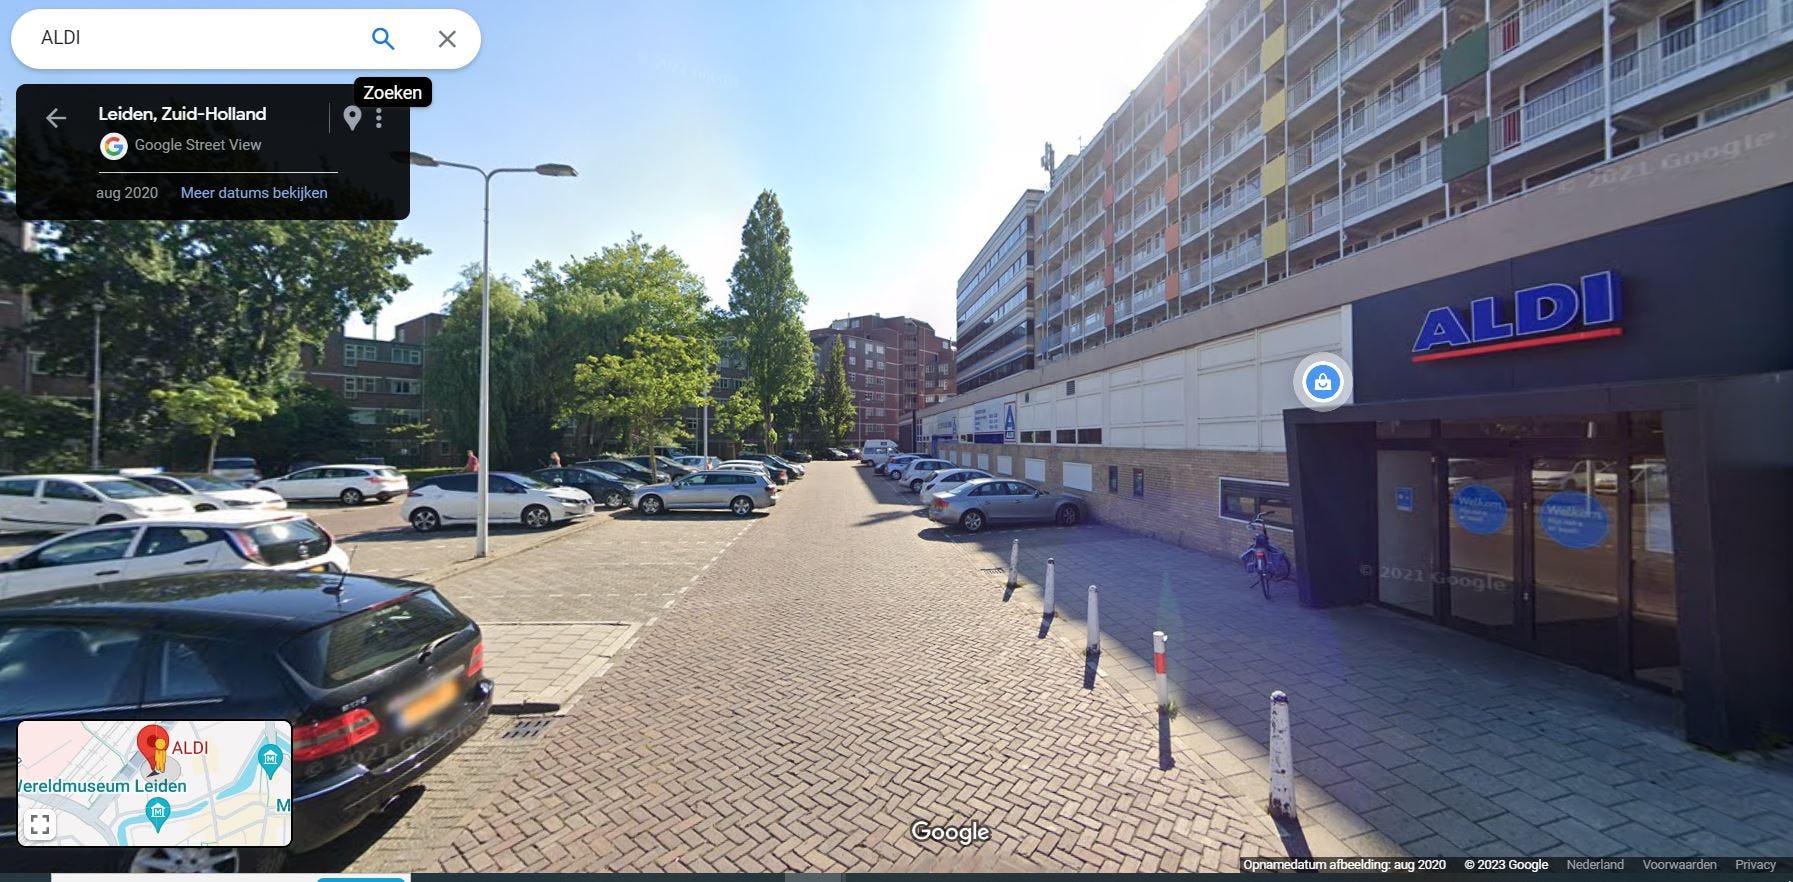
(1321, 217)
(1235, 258)
(1146, 168)
(1531, 20)
(1319, 78)
(1392, 105)
(1405, 179)
(1145, 210)
(1237, 26)
(1090, 289)
(1377, 35)
(1053, 308)
(1192, 278)
(1053, 341)
(1322, 148)
(1234, 200)
(1092, 324)
(1234, 86)
(1090, 254)
(1247, 133)
(1307, 18)
(1148, 297)
(1687, 51)
(1562, 106)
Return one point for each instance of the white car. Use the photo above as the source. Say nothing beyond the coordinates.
(140, 549)
(210, 493)
(878, 450)
(889, 467)
(236, 469)
(916, 473)
(701, 463)
(446, 500)
(350, 484)
(66, 502)
(947, 480)
(745, 465)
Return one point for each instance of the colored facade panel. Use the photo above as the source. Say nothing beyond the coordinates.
(1276, 238)
(1275, 46)
(1276, 107)
(1276, 173)
(1465, 59)
(1466, 151)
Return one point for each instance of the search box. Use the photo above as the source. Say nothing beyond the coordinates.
(245, 39)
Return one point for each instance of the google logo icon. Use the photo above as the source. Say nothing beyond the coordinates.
(114, 146)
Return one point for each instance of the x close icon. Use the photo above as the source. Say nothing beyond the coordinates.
(447, 39)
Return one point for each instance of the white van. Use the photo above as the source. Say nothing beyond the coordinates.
(876, 451)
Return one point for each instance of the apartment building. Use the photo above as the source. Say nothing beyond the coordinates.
(1549, 241)
(382, 381)
(21, 370)
(896, 366)
(995, 301)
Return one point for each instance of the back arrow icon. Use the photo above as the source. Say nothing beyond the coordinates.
(51, 118)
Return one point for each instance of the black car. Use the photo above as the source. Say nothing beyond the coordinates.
(381, 679)
(774, 462)
(621, 468)
(796, 456)
(668, 468)
(611, 490)
(834, 453)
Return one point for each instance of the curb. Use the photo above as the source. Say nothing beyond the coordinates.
(534, 541)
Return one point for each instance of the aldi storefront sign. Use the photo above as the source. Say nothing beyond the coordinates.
(1544, 315)
(993, 422)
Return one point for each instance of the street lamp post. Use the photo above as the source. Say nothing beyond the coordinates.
(482, 528)
(93, 461)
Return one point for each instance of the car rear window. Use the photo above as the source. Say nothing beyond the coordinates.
(125, 489)
(351, 648)
(280, 542)
(387, 472)
(230, 463)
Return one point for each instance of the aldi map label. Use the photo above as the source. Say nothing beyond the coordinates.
(155, 782)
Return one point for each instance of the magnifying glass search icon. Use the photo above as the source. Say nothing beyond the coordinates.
(382, 37)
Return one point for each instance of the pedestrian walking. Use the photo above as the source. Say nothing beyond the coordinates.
(554, 459)
(472, 462)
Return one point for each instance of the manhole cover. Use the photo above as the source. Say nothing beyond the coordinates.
(527, 728)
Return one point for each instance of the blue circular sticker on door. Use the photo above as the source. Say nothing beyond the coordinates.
(1479, 508)
(1574, 519)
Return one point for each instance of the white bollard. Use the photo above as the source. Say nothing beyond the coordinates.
(1158, 667)
(1014, 562)
(1282, 759)
(1095, 628)
(1051, 577)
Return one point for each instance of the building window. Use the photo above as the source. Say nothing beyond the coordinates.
(1114, 479)
(1067, 436)
(1089, 436)
(1070, 387)
(1244, 500)
(407, 355)
(405, 387)
(1139, 483)
(36, 362)
(355, 385)
(354, 352)
(365, 416)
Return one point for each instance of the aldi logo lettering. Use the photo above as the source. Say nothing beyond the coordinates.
(1546, 315)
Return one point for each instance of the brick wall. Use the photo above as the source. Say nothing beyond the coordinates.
(1181, 503)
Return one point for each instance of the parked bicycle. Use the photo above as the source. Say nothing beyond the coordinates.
(1265, 560)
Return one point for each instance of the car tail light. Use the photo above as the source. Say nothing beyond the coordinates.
(413, 493)
(374, 479)
(939, 503)
(245, 546)
(332, 736)
(477, 662)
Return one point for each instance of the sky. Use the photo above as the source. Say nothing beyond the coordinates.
(896, 133)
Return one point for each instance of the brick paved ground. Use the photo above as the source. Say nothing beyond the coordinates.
(1410, 737)
(827, 682)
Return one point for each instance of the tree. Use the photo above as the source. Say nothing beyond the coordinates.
(736, 416)
(35, 432)
(837, 409)
(661, 375)
(213, 407)
(312, 423)
(766, 307)
(187, 300)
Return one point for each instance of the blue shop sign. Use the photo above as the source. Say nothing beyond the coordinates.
(1479, 508)
(1403, 499)
(1574, 519)
(1543, 315)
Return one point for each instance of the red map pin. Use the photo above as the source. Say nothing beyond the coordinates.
(152, 742)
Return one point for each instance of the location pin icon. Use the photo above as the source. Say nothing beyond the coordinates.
(157, 812)
(351, 115)
(269, 756)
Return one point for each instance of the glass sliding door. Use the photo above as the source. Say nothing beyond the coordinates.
(1481, 542)
(1573, 554)
(1655, 652)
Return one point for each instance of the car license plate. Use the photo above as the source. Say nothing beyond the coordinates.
(431, 702)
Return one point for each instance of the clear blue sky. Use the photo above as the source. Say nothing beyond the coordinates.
(896, 133)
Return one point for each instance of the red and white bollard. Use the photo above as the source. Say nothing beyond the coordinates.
(1158, 669)
(1094, 646)
(1282, 759)
(1014, 564)
(1051, 577)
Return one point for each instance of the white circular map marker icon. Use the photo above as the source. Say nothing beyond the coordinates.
(1323, 381)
